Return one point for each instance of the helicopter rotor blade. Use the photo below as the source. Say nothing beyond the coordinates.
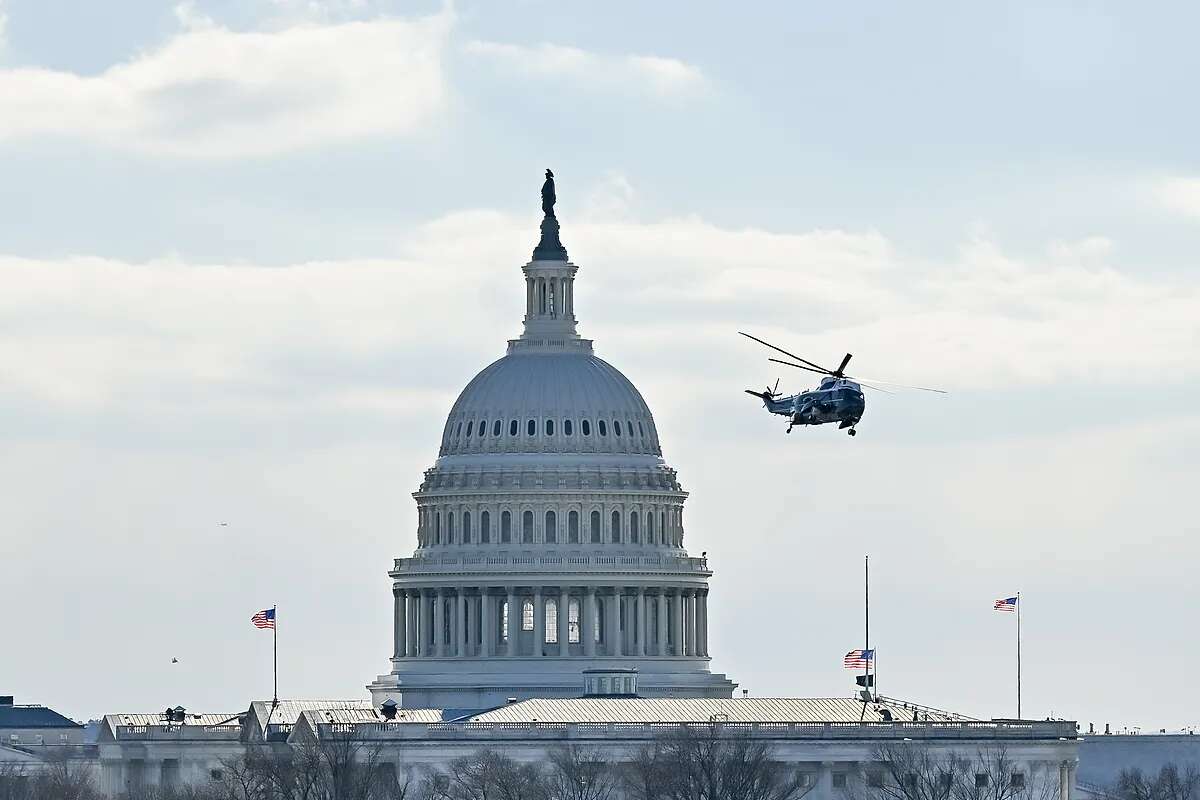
(798, 366)
(840, 371)
(898, 385)
(869, 386)
(786, 353)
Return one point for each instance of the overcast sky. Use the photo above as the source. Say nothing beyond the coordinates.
(250, 251)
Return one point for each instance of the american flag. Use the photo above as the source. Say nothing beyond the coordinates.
(858, 659)
(264, 619)
(1005, 604)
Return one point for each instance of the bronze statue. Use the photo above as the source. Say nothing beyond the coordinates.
(548, 197)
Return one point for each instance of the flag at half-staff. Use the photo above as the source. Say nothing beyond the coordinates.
(858, 659)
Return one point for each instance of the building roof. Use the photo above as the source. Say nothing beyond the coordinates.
(738, 709)
(288, 711)
(157, 718)
(357, 716)
(33, 717)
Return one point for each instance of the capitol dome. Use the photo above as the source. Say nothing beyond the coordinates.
(549, 532)
(550, 403)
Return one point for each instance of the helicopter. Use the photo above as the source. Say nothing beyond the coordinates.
(838, 398)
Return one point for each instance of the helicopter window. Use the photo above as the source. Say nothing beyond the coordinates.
(531, 428)
(549, 427)
(617, 427)
(469, 425)
(482, 427)
(512, 428)
(603, 429)
(586, 427)
(567, 427)
(496, 428)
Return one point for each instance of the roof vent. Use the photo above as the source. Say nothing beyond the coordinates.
(611, 682)
(388, 709)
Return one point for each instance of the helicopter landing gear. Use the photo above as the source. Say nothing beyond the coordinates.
(852, 432)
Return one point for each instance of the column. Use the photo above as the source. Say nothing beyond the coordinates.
(514, 621)
(474, 646)
(662, 622)
(439, 623)
(564, 618)
(691, 623)
(613, 645)
(1064, 784)
(539, 621)
(487, 620)
(423, 623)
(640, 623)
(824, 787)
(460, 622)
(412, 613)
(702, 629)
(677, 619)
(589, 621)
(399, 643)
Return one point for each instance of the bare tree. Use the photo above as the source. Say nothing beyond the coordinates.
(578, 773)
(1171, 783)
(914, 771)
(485, 775)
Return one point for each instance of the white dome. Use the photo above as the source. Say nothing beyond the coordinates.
(550, 403)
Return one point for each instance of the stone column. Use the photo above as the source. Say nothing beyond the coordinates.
(399, 642)
(678, 620)
(564, 621)
(693, 627)
(514, 621)
(1064, 782)
(439, 623)
(824, 787)
(663, 617)
(460, 623)
(613, 632)
(640, 623)
(589, 621)
(423, 623)
(473, 644)
(487, 620)
(412, 612)
(702, 629)
(539, 621)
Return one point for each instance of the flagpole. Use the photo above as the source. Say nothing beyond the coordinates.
(275, 657)
(1018, 655)
(867, 621)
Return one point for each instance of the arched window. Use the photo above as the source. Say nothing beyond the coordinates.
(482, 428)
(527, 527)
(449, 529)
(485, 527)
(650, 528)
(629, 427)
(496, 428)
(466, 528)
(549, 427)
(595, 527)
(603, 429)
(617, 427)
(633, 527)
(641, 430)
(470, 425)
(437, 528)
(572, 621)
(531, 427)
(552, 621)
(616, 527)
(527, 615)
(566, 427)
(512, 428)
(662, 527)
(551, 527)
(505, 527)
(586, 427)
(573, 527)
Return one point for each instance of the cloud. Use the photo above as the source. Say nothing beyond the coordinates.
(1180, 195)
(214, 92)
(656, 75)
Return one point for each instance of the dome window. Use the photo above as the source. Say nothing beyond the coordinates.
(567, 427)
(650, 528)
(641, 430)
(458, 430)
(531, 428)
(505, 527)
(549, 427)
(485, 527)
(603, 429)
(586, 427)
(512, 428)
(470, 425)
(527, 528)
(633, 527)
(496, 428)
(616, 527)
(573, 527)
(595, 527)
(551, 527)
(482, 427)
(617, 427)
(466, 527)
(629, 427)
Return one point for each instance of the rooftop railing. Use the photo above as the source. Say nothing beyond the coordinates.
(465, 562)
(177, 732)
(762, 730)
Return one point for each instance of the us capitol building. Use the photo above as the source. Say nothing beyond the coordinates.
(550, 600)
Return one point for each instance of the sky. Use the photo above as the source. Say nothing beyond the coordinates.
(251, 250)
